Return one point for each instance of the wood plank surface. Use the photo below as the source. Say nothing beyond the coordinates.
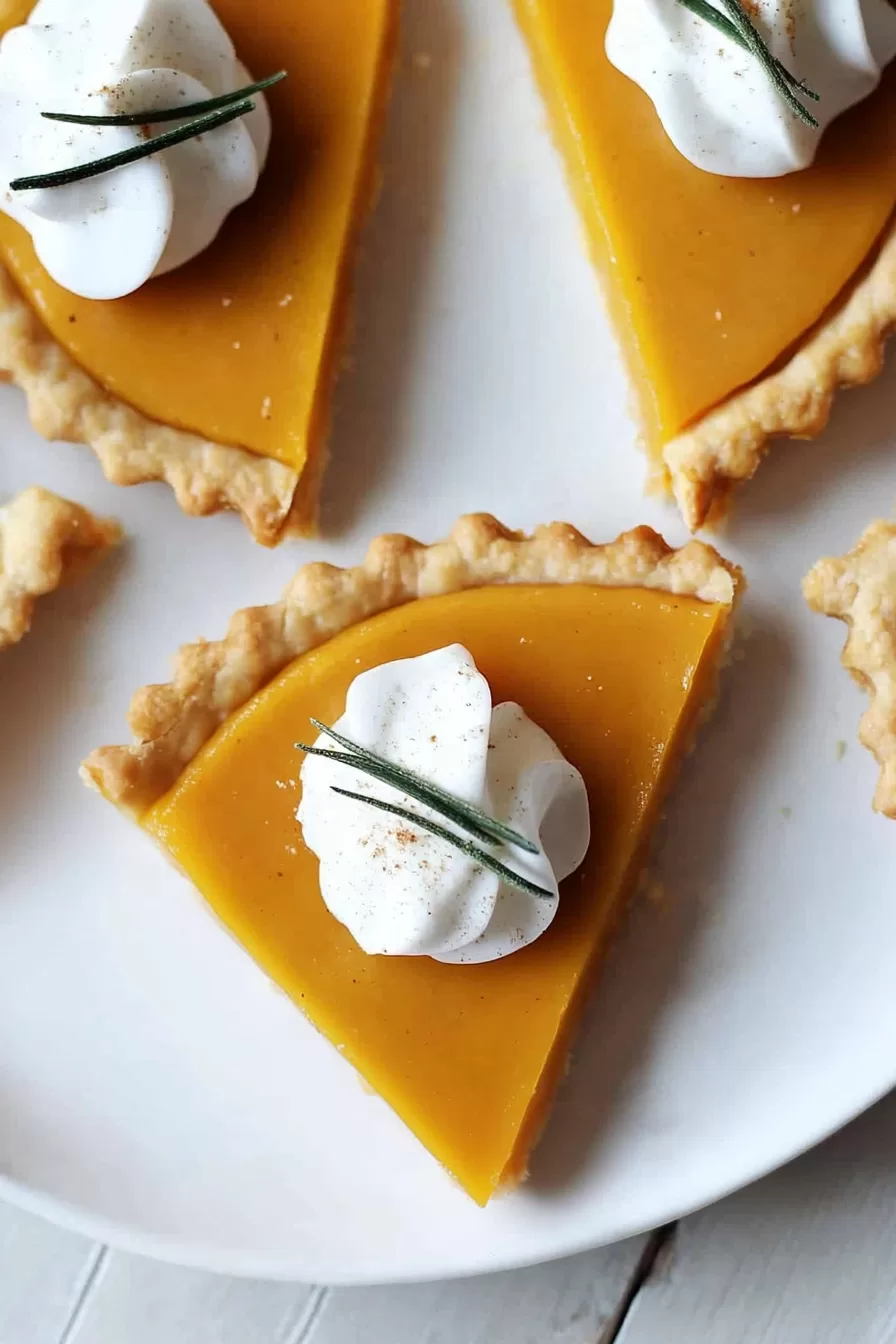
(44, 1274)
(56, 1288)
(135, 1301)
(567, 1302)
(806, 1256)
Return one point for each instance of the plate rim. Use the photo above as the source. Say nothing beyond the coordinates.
(74, 1218)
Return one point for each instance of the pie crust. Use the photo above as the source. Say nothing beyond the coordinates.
(170, 723)
(44, 540)
(860, 589)
(65, 403)
(845, 349)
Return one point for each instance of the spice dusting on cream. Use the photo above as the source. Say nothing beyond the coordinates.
(104, 237)
(716, 103)
(401, 891)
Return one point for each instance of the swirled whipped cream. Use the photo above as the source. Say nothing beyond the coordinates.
(403, 892)
(106, 236)
(716, 102)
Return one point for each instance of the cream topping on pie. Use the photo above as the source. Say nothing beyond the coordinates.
(402, 889)
(717, 105)
(105, 236)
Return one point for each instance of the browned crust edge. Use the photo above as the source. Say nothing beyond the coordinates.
(44, 540)
(211, 681)
(846, 349)
(65, 403)
(860, 589)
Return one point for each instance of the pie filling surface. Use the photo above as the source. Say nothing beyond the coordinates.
(239, 345)
(710, 279)
(468, 1056)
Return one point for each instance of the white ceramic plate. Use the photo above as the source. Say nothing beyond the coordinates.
(154, 1089)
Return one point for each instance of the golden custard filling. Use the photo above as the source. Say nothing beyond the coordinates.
(468, 1056)
(239, 345)
(710, 279)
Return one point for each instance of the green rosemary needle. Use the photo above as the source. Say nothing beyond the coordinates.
(169, 113)
(480, 856)
(702, 9)
(739, 28)
(79, 172)
(453, 809)
(757, 46)
(462, 813)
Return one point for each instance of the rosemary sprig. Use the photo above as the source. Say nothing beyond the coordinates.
(702, 9)
(463, 814)
(80, 172)
(168, 113)
(452, 808)
(480, 856)
(739, 28)
(757, 46)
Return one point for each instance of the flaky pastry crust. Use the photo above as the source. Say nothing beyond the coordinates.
(43, 541)
(860, 589)
(213, 680)
(65, 403)
(725, 447)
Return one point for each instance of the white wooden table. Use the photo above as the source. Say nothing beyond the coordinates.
(807, 1256)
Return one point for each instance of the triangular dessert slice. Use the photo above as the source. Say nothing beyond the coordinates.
(741, 304)
(217, 376)
(613, 650)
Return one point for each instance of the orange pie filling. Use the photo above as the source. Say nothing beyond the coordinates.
(468, 1056)
(239, 346)
(711, 280)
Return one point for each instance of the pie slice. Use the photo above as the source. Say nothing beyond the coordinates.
(44, 540)
(217, 377)
(468, 1055)
(860, 589)
(741, 304)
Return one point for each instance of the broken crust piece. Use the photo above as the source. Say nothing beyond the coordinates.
(44, 540)
(65, 403)
(212, 681)
(726, 446)
(860, 589)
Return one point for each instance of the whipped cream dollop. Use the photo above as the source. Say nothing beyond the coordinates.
(106, 236)
(403, 892)
(716, 102)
